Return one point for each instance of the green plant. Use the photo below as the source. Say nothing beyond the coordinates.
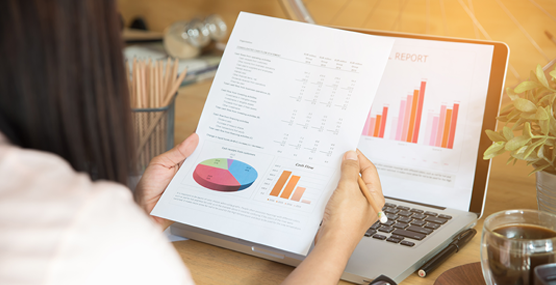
(531, 114)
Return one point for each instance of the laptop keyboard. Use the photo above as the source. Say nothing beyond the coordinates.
(406, 225)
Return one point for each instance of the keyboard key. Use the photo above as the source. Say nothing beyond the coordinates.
(370, 233)
(399, 225)
(386, 229)
(431, 213)
(436, 220)
(418, 216)
(405, 220)
(392, 216)
(390, 205)
(380, 237)
(432, 226)
(419, 230)
(403, 208)
(375, 226)
(396, 236)
(417, 211)
(405, 213)
(394, 240)
(418, 223)
(391, 211)
(407, 243)
(445, 217)
(388, 223)
(408, 234)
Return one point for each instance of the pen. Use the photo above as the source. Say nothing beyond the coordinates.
(459, 241)
(381, 216)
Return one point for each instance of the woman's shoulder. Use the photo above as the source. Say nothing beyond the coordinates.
(28, 175)
(63, 227)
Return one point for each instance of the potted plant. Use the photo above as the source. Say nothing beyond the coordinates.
(529, 133)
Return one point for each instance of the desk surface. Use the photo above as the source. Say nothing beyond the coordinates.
(509, 188)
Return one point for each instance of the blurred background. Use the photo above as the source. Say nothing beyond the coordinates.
(525, 25)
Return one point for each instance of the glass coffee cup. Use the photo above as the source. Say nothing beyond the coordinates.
(514, 242)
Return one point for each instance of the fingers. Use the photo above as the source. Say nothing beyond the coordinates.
(179, 153)
(370, 175)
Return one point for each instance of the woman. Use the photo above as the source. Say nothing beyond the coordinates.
(65, 155)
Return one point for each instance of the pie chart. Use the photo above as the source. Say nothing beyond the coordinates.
(224, 174)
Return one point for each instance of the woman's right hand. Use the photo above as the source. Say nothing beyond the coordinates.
(348, 212)
(347, 217)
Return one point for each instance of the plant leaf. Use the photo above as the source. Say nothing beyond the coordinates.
(528, 116)
(526, 86)
(517, 143)
(553, 73)
(523, 156)
(529, 152)
(545, 127)
(511, 94)
(493, 150)
(540, 152)
(513, 115)
(502, 119)
(541, 77)
(527, 129)
(524, 105)
(510, 160)
(537, 169)
(508, 134)
(506, 109)
(541, 114)
(494, 136)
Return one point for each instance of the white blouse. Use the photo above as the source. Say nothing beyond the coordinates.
(58, 227)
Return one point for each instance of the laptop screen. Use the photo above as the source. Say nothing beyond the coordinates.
(425, 130)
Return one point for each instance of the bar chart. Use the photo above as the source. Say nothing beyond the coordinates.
(439, 130)
(375, 125)
(407, 125)
(294, 185)
(441, 127)
(286, 192)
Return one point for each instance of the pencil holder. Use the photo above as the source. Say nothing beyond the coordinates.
(154, 132)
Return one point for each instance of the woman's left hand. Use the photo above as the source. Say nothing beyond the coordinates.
(159, 173)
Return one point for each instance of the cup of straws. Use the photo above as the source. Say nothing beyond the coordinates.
(153, 86)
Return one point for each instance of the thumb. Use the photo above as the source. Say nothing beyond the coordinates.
(350, 169)
(179, 153)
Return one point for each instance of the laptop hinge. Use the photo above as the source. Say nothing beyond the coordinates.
(416, 203)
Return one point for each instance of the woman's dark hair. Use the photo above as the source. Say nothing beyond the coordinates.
(62, 83)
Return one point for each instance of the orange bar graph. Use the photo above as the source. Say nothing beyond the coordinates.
(289, 187)
(280, 183)
(298, 193)
(447, 125)
(412, 116)
(453, 126)
(377, 126)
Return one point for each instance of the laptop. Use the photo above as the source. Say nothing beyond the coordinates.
(426, 134)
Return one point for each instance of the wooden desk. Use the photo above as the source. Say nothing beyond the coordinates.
(509, 188)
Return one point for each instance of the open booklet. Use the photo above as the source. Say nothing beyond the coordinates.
(288, 100)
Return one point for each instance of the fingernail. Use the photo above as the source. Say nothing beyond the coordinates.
(351, 155)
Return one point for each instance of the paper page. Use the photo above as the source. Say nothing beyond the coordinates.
(287, 102)
(430, 105)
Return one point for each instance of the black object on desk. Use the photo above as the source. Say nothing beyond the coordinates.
(459, 241)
